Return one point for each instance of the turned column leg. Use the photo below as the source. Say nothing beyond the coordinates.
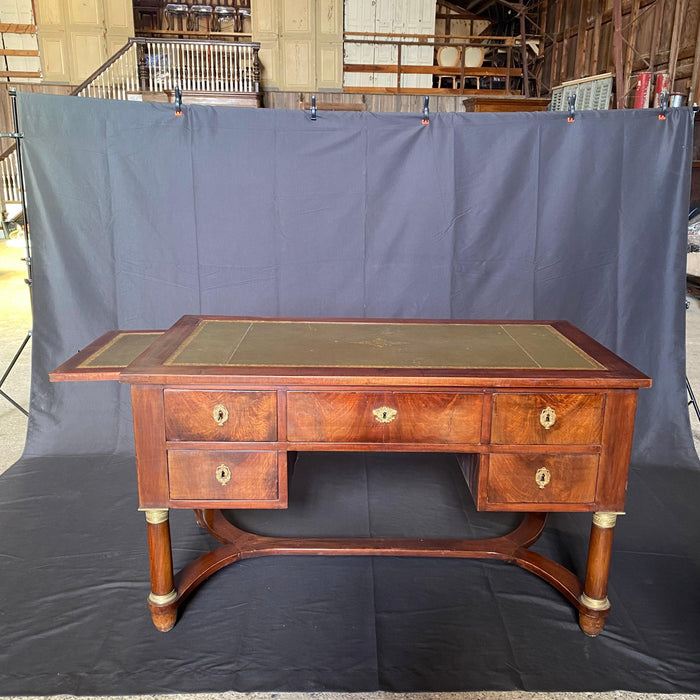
(163, 593)
(594, 598)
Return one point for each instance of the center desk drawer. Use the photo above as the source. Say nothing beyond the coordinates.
(436, 418)
(547, 419)
(220, 416)
(221, 475)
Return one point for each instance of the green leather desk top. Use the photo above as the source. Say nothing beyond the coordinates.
(221, 350)
(261, 343)
(121, 350)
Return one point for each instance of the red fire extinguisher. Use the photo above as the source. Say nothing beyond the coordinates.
(641, 94)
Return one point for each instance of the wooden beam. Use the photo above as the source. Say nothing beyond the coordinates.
(430, 70)
(564, 53)
(19, 52)
(17, 28)
(655, 33)
(631, 42)
(523, 51)
(617, 54)
(544, 8)
(595, 48)
(694, 84)
(540, 50)
(580, 63)
(20, 74)
(419, 91)
(676, 40)
(555, 48)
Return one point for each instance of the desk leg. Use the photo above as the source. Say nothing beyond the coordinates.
(163, 592)
(594, 597)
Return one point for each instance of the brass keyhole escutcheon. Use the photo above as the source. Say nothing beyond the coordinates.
(223, 474)
(384, 414)
(543, 477)
(220, 414)
(548, 417)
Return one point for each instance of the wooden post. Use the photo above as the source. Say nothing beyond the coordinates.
(509, 58)
(564, 53)
(632, 40)
(655, 34)
(579, 66)
(676, 40)
(617, 54)
(523, 51)
(256, 70)
(555, 45)
(694, 86)
(595, 47)
(142, 67)
(398, 70)
(540, 52)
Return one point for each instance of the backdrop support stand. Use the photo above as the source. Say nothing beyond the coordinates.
(17, 136)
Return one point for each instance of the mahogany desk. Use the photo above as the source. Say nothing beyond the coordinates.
(539, 415)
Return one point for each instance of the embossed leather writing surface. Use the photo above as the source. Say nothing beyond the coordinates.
(243, 343)
(121, 350)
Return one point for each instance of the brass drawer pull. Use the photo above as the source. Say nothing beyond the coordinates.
(223, 474)
(220, 414)
(384, 414)
(548, 417)
(543, 477)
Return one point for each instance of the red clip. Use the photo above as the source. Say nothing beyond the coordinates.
(178, 114)
(425, 122)
(570, 120)
(662, 117)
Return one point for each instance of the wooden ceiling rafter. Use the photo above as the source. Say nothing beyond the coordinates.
(458, 10)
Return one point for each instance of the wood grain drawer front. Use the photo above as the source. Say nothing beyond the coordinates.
(245, 416)
(435, 418)
(383, 417)
(199, 475)
(537, 478)
(522, 419)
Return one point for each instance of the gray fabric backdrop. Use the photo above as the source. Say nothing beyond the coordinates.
(139, 216)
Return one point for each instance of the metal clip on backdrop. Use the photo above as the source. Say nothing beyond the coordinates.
(17, 136)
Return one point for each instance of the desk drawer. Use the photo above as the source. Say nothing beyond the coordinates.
(432, 418)
(521, 419)
(221, 475)
(541, 479)
(220, 416)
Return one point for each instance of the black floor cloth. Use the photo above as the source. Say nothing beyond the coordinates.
(75, 579)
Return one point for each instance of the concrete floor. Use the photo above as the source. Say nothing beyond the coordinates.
(15, 321)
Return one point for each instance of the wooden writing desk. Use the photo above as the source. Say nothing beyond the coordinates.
(539, 415)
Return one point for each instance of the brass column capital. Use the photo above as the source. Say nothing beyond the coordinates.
(605, 519)
(155, 516)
